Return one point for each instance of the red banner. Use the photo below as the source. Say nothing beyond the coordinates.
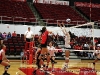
(85, 4)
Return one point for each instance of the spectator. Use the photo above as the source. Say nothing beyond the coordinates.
(4, 36)
(0, 34)
(86, 46)
(90, 55)
(9, 35)
(76, 46)
(1, 38)
(14, 34)
(72, 43)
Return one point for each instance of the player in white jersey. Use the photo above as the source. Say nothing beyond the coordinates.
(67, 45)
(97, 54)
(3, 60)
(52, 51)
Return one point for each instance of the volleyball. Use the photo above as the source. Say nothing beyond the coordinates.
(68, 20)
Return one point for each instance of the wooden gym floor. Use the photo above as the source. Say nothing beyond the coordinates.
(73, 65)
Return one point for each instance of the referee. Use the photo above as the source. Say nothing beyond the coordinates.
(28, 35)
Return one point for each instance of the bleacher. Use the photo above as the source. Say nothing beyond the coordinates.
(16, 11)
(90, 10)
(94, 12)
(15, 45)
(51, 13)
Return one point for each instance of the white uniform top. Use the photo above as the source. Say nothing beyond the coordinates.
(29, 34)
(1, 54)
(67, 41)
(51, 50)
(97, 52)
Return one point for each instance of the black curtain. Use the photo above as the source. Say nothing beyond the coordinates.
(30, 1)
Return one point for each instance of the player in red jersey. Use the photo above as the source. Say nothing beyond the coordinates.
(39, 62)
(44, 38)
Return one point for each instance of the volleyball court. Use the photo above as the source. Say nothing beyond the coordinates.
(29, 65)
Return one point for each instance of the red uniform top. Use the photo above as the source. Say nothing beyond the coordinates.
(44, 37)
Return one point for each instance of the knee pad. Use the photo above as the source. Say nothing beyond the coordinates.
(48, 54)
(7, 67)
(42, 55)
(43, 59)
(66, 58)
(42, 66)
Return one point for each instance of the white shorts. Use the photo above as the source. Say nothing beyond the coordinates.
(98, 56)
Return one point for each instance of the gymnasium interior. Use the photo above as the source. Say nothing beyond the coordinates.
(81, 19)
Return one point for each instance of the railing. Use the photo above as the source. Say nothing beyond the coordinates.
(47, 21)
(17, 19)
(33, 21)
(71, 22)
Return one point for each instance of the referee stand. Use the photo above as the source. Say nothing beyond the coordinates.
(30, 52)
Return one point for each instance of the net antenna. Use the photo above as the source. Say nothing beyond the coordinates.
(93, 37)
(90, 9)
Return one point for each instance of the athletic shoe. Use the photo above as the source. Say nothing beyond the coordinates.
(53, 62)
(6, 74)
